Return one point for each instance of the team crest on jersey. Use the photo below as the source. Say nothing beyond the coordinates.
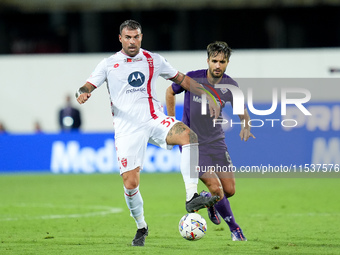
(136, 79)
(124, 162)
(150, 61)
(224, 90)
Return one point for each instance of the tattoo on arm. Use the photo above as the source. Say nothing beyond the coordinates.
(81, 91)
(84, 90)
(179, 83)
(87, 88)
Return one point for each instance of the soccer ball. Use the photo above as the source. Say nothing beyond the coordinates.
(192, 226)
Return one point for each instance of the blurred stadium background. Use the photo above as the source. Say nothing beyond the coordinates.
(49, 48)
(83, 26)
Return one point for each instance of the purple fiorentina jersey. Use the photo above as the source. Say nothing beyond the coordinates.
(202, 125)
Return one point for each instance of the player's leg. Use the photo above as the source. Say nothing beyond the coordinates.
(219, 159)
(182, 135)
(133, 197)
(134, 202)
(211, 180)
(227, 180)
(223, 207)
(207, 172)
(167, 132)
(130, 152)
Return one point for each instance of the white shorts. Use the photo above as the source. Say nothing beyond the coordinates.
(131, 148)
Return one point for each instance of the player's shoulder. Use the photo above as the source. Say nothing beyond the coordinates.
(115, 56)
(201, 73)
(111, 60)
(226, 79)
(148, 53)
(155, 56)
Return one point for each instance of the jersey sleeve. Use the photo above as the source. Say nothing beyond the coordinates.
(167, 71)
(177, 88)
(98, 76)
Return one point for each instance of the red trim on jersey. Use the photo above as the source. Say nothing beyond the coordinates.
(151, 71)
(92, 84)
(174, 76)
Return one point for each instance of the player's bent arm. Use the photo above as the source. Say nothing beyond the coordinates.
(193, 86)
(170, 99)
(84, 92)
(188, 83)
(245, 129)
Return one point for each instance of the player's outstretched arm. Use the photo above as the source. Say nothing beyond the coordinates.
(245, 129)
(193, 86)
(170, 99)
(84, 92)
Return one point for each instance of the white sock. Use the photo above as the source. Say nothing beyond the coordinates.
(134, 202)
(189, 162)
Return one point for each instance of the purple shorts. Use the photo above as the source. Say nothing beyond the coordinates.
(215, 157)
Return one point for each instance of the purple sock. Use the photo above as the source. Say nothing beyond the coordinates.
(224, 209)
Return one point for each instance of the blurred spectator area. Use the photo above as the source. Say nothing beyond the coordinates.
(75, 26)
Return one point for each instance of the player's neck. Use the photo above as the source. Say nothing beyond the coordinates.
(122, 51)
(212, 80)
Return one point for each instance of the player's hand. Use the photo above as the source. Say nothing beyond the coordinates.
(82, 98)
(214, 108)
(245, 134)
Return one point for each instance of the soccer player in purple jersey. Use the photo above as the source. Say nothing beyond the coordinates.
(213, 151)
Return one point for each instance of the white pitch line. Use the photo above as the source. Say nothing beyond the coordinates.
(105, 211)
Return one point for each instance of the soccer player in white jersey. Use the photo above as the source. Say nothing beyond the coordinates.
(131, 76)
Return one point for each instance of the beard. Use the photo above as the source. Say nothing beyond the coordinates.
(216, 76)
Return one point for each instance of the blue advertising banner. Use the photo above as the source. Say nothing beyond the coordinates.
(74, 153)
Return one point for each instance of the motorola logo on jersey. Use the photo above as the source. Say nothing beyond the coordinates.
(136, 79)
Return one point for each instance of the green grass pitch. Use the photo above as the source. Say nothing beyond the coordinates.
(87, 214)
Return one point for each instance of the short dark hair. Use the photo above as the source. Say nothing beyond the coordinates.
(130, 24)
(219, 47)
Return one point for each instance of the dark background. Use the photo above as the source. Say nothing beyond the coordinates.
(166, 29)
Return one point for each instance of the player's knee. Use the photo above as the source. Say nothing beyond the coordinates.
(230, 191)
(131, 184)
(130, 180)
(228, 186)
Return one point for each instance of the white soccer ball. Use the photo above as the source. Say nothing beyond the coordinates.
(192, 226)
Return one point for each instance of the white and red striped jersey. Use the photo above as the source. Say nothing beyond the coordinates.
(131, 84)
